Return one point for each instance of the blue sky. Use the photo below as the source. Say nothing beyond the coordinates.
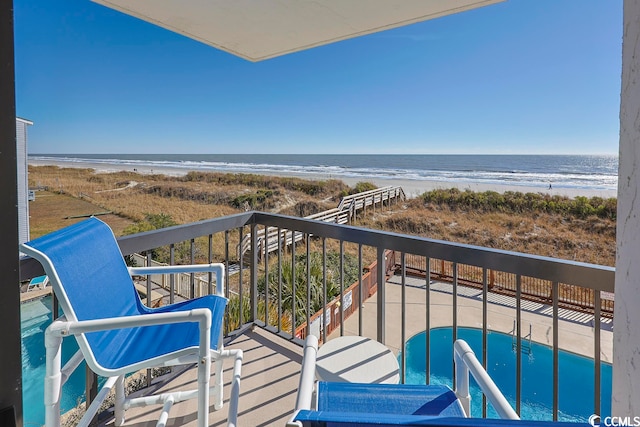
(524, 76)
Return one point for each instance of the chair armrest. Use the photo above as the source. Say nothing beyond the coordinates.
(307, 373)
(64, 328)
(216, 268)
(466, 362)
(307, 379)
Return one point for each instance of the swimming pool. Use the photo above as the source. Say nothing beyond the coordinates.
(575, 387)
(35, 317)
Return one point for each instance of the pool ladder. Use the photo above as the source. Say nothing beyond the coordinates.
(526, 344)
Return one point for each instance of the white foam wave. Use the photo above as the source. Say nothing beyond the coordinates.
(570, 179)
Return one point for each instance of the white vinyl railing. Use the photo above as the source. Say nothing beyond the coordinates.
(466, 362)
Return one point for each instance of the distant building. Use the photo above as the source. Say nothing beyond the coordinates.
(23, 179)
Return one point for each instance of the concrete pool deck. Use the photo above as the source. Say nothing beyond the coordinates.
(575, 329)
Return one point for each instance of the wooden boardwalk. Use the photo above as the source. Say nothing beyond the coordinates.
(271, 238)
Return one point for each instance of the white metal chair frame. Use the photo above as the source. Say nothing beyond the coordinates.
(56, 375)
(123, 344)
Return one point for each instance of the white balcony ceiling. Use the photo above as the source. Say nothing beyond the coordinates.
(262, 29)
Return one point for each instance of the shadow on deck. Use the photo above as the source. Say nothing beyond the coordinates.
(270, 375)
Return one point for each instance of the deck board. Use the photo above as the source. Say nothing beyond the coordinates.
(270, 375)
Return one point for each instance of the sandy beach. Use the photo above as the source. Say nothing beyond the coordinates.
(412, 188)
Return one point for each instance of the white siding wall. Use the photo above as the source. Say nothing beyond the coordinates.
(626, 328)
(23, 182)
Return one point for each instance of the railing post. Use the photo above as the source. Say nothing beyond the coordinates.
(267, 284)
(324, 289)
(341, 287)
(172, 277)
(381, 273)
(308, 279)
(210, 260)
(253, 292)
(148, 382)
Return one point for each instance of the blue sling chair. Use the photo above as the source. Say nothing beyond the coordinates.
(117, 334)
(342, 404)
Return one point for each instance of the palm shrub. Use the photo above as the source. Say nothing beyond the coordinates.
(298, 300)
(232, 321)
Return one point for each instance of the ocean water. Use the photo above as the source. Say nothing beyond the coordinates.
(598, 172)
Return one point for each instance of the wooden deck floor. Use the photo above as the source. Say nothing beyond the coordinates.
(270, 374)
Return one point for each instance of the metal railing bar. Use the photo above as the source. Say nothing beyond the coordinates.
(266, 277)
(279, 282)
(308, 307)
(227, 274)
(572, 272)
(210, 259)
(485, 321)
(518, 333)
(148, 282)
(341, 287)
(324, 290)
(403, 322)
(253, 289)
(554, 290)
(192, 276)
(427, 316)
(156, 238)
(172, 278)
(381, 269)
(240, 271)
(581, 274)
(454, 305)
(360, 296)
(293, 284)
(596, 352)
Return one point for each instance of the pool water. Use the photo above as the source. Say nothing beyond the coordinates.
(576, 374)
(35, 317)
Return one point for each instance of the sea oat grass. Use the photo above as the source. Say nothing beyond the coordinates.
(578, 229)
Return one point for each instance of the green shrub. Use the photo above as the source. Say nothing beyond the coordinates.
(253, 200)
(315, 280)
(517, 202)
(363, 186)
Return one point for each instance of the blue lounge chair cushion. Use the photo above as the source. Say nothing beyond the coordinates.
(395, 400)
(96, 284)
(350, 419)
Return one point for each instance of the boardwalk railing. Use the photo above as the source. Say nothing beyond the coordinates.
(271, 238)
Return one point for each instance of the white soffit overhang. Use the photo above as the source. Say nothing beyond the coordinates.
(262, 29)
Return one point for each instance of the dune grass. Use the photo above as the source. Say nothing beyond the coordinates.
(578, 229)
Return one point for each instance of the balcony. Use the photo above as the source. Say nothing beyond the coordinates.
(563, 304)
